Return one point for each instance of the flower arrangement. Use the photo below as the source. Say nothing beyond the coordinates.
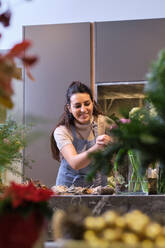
(24, 209)
(142, 114)
(137, 183)
(147, 137)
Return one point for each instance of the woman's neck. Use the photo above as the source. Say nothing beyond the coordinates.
(83, 125)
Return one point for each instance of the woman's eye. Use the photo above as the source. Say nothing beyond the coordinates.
(77, 106)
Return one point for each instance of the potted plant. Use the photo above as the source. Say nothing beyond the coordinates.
(24, 211)
(23, 207)
(12, 138)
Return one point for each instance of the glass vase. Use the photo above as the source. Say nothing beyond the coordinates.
(138, 187)
(137, 183)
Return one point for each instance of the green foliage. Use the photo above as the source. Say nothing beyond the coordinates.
(12, 142)
(155, 88)
(145, 135)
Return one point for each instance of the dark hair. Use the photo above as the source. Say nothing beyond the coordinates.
(67, 119)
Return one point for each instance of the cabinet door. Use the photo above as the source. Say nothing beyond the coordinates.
(125, 49)
(64, 56)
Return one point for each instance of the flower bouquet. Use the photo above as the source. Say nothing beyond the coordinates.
(24, 209)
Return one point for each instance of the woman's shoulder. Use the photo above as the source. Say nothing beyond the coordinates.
(62, 136)
(62, 130)
(61, 127)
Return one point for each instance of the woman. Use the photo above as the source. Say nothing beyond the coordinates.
(80, 131)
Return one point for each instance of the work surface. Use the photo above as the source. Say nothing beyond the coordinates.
(152, 205)
(149, 204)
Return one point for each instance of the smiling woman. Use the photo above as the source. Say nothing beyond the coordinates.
(80, 131)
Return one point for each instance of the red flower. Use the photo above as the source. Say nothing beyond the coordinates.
(9, 70)
(22, 194)
(19, 49)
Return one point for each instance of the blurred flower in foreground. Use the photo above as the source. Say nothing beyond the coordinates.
(9, 70)
(8, 66)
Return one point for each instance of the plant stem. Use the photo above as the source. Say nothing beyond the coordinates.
(135, 176)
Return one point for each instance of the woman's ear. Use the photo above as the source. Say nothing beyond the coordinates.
(68, 107)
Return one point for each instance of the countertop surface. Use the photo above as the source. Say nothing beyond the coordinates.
(149, 204)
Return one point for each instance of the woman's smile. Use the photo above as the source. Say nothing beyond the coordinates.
(84, 115)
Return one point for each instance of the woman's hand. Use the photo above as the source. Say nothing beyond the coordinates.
(81, 160)
(103, 140)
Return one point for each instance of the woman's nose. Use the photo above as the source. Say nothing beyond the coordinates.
(83, 108)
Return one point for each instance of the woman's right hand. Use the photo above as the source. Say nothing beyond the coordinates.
(102, 141)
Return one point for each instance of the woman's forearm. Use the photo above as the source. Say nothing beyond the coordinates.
(81, 160)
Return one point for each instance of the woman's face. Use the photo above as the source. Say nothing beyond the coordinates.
(81, 107)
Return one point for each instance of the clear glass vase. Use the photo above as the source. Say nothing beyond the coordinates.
(138, 187)
(137, 183)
